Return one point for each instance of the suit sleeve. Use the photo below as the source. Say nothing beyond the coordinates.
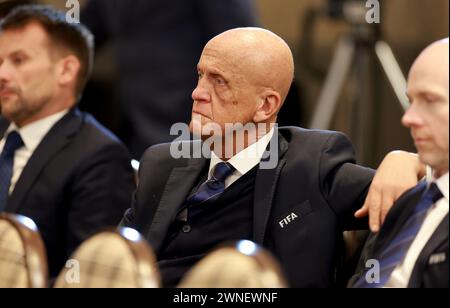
(154, 170)
(344, 183)
(128, 219)
(100, 194)
(133, 217)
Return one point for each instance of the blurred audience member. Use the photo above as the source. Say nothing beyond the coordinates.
(157, 44)
(241, 265)
(58, 166)
(5, 8)
(412, 246)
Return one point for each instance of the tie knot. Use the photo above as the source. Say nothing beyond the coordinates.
(12, 143)
(429, 197)
(432, 193)
(222, 171)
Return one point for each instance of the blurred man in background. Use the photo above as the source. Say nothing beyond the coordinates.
(412, 246)
(58, 166)
(5, 8)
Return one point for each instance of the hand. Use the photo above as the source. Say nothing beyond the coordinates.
(398, 172)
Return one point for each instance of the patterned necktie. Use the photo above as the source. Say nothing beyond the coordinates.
(12, 143)
(210, 189)
(395, 251)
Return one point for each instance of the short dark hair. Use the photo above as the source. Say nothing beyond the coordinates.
(73, 36)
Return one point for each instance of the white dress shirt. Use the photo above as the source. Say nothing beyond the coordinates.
(32, 135)
(402, 273)
(243, 161)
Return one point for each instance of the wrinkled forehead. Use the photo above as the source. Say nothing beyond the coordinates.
(225, 60)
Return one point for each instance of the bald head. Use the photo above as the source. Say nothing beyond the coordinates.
(244, 78)
(433, 61)
(263, 56)
(428, 115)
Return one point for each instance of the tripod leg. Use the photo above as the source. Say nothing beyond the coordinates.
(393, 72)
(334, 81)
(362, 111)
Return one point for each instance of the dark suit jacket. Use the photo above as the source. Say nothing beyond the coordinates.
(78, 181)
(158, 44)
(425, 274)
(3, 124)
(316, 178)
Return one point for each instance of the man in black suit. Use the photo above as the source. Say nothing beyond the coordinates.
(157, 44)
(411, 249)
(290, 190)
(58, 166)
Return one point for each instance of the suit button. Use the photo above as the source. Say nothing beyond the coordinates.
(186, 229)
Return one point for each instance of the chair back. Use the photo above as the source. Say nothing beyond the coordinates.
(111, 259)
(236, 265)
(23, 260)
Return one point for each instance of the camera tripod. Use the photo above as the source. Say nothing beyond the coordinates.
(355, 52)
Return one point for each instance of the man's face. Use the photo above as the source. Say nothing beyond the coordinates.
(428, 114)
(224, 93)
(27, 74)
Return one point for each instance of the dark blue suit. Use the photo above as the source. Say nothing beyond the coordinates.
(425, 274)
(77, 182)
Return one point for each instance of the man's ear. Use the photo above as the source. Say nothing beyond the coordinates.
(68, 68)
(268, 106)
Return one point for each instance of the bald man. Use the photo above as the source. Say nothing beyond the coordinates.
(289, 189)
(412, 246)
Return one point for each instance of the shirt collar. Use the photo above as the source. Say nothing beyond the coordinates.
(33, 133)
(248, 158)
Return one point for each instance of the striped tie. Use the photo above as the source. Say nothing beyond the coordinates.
(394, 252)
(210, 189)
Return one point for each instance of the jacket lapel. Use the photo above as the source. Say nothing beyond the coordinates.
(55, 140)
(399, 213)
(176, 190)
(265, 186)
(437, 239)
(266, 181)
